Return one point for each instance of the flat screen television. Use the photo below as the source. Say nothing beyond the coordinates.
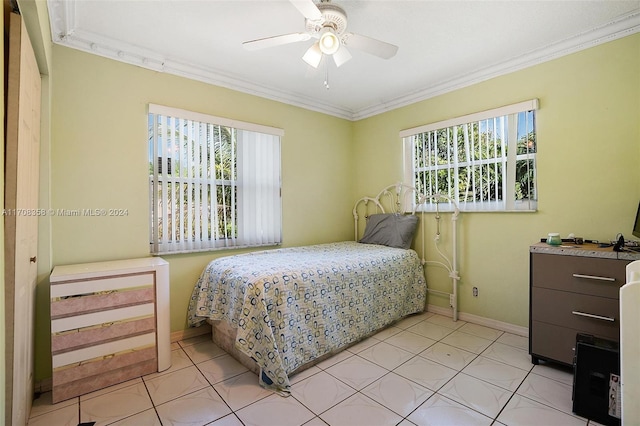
(636, 226)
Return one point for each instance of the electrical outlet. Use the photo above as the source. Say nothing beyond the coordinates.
(475, 292)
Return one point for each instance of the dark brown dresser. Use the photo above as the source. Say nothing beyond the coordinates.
(573, 289)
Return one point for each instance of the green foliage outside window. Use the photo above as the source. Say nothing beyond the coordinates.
(469, 162)
(201, 157)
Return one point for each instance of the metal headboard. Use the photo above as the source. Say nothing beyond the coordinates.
(397, 198)
(403, 199)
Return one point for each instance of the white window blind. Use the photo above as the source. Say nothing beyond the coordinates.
(484, 161)
(259, 180)
(214, 183)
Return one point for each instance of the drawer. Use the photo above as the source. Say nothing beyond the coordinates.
(77, 339)
(72, 306)
(99, 373)
(101, 317)
(558, 307)
(103, 350)
(553, 342)
(95, 285)
(586, 275)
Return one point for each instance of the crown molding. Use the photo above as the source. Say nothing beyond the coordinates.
(64, 32)
(623, 26)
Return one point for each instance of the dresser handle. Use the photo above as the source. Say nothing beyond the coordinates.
(594, 277)
(600, 317)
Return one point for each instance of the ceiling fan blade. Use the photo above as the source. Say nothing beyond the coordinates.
(263, 43)
(341, 56)
(370, 45)
(308, 9)
(313, 55)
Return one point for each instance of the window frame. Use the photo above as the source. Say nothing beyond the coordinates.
(509, 202)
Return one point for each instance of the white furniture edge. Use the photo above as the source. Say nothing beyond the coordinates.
(630, 344)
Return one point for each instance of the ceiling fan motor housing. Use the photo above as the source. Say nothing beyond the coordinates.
(333, 16)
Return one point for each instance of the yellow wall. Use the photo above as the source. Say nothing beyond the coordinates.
(588, 129)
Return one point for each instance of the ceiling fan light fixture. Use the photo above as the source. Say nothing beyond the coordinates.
(341, 56)
(313, 55)
(327, 23)
(329, 41)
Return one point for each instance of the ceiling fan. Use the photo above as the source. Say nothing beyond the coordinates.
(326, 22)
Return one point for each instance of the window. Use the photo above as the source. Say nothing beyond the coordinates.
(214, 183)
(484, 161)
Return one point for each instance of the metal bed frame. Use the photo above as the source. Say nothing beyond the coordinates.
(401, 199)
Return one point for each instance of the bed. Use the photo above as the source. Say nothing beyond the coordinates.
(280, 311)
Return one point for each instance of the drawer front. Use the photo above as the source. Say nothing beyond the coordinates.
(599, 316)
(553, 342)
(103, 350)
(586, 275)
(97, 374)
(101, 317)
(72, 306)
(78, 339)
(90, 286)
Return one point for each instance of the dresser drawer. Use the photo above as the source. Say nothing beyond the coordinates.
(585, 275)
(552, 342)
(73, 288)
(599, 316)
(73, 306)
(81, 378)
(80, 338)
(102, 317)
(102, 350)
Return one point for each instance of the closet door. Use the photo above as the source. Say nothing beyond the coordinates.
(22, 152)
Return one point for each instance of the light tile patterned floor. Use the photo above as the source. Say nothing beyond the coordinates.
(424, 370)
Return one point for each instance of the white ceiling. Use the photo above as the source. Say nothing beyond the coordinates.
(443, 45)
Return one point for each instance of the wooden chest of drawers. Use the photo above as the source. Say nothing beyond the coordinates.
(573, 290)
(109, 324)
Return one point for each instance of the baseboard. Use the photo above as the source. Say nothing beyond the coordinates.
(487, 322)
(42, 386)
(176, 336)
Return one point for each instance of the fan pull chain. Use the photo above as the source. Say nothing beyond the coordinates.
(326, 76)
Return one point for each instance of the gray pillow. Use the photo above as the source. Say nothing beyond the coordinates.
(390, 229)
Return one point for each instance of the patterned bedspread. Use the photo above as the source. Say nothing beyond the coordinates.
(292, 305)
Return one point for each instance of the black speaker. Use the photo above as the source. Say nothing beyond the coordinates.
(619, 246)
(596, 380)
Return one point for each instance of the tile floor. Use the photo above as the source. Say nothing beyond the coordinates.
(424, 370)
